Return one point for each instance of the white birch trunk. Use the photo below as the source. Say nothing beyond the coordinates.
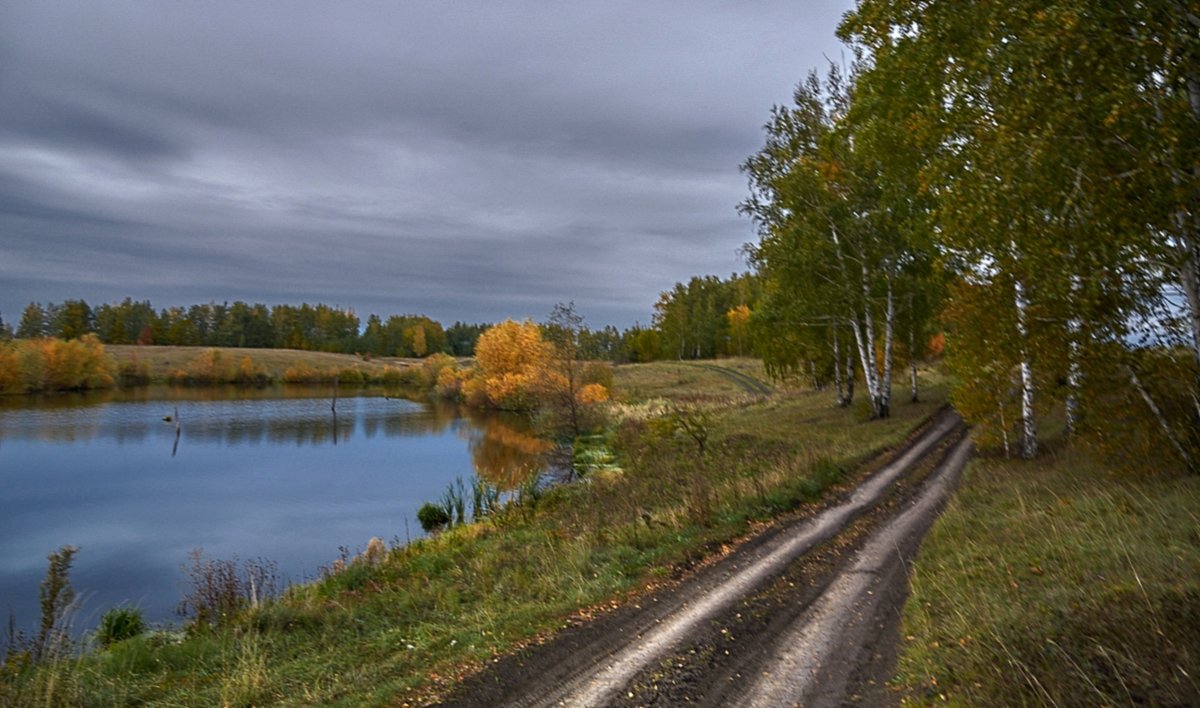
(870, 370)
(837, 369)
(866, 354)
(1162, 420)
(849, 375)
(1074, 367)
(1029, 441)
(1189, 277)
(889, 330)
(912, 351)
(912, 363)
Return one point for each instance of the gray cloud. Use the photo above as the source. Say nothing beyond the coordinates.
(469, 162)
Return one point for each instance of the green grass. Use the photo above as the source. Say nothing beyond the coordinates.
(1057, 582)
(379, 634)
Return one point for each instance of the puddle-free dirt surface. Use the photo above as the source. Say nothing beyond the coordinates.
(806, 613)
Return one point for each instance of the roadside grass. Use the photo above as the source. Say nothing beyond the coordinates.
(405, 627)
(1057, 582)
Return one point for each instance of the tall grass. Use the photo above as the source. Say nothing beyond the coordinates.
(1057, 583)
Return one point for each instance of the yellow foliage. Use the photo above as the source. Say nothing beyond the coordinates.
(10, 370)
(54, 365)
(593, 393)
(449, 382)
(433, 366)
(511, 361)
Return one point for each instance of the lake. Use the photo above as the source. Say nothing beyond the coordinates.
(272, 474)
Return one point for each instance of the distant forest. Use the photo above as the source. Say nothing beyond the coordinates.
(704, 318)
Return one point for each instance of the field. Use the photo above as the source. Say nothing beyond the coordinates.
(163, 360)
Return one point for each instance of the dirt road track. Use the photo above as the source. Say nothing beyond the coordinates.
(791, 617)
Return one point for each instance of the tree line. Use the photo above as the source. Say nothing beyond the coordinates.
(1025, 176)
(704, 318)
(239, 324)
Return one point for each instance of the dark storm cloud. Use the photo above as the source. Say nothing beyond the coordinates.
(469, 161)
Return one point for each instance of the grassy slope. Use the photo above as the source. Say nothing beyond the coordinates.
(163, 360)
(1058, 583)
(437, 608)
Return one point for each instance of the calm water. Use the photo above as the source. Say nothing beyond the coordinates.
(271, 474)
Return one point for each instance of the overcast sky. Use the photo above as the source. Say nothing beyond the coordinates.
(469, 161)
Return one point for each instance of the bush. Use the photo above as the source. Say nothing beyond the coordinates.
(433, 516)
(54, 365)
(432, 366)
(598, 372)
(133, 373)
(119, 624)
(251, 374)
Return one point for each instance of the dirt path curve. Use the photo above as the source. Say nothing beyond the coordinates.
(748, 383)
(793, 591)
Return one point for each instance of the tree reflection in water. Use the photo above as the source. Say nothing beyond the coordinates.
(503, 447)
(504, 450)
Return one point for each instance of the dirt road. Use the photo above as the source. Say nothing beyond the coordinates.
(804, 614)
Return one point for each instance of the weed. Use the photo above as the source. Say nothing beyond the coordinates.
(219, 589)
(119, 624)
(57, 598)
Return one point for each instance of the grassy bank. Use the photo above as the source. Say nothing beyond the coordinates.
(392, 626)
(160, 362)
(1057, 582)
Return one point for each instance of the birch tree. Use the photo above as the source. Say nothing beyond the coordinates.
(836, 225)
(1063, 165)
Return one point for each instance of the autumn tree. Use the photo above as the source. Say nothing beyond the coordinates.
(1060, 147)
(511, 360)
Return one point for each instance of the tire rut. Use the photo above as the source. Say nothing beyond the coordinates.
(603, 662)
(748, 383)
(718, 665)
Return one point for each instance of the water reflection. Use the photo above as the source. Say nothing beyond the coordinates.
(254, 473)
(503, 447)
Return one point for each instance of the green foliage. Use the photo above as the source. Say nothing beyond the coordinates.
(119, 624)
(1055, 146)
(433, 517)
(691, 320)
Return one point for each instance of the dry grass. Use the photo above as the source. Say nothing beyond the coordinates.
(682, 380)
(162, 360)
(1056, 582)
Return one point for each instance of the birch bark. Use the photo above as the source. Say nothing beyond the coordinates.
(1029, 441)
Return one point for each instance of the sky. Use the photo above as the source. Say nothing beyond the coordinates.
(467, 161)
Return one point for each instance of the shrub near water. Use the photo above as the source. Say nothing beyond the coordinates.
(33, 365)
